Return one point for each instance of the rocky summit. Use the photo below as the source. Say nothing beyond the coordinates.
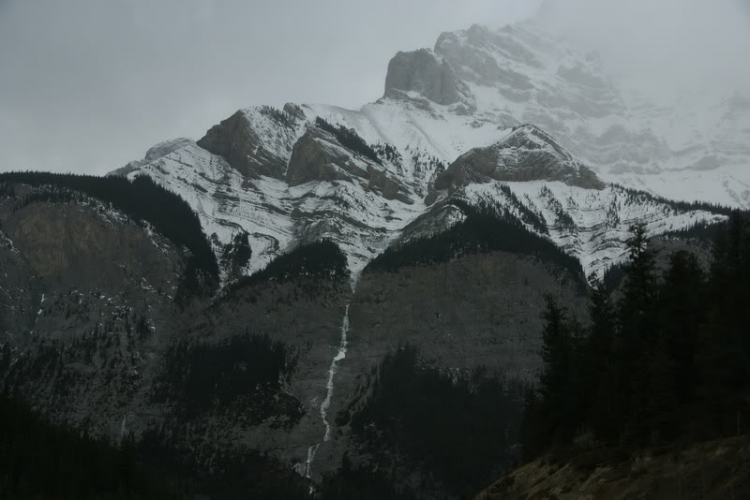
(340, 264)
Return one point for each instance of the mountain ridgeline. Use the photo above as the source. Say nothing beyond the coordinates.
(486, 228)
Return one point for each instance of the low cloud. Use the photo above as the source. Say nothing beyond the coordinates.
(662, 46)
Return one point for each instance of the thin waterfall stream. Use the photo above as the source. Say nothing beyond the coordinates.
(326, 404)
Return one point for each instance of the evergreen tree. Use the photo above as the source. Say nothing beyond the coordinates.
(658, 421)
(599, 375)
(637, 315)
(533, 435)
(725, 343)
(555, 387)
(682, 311)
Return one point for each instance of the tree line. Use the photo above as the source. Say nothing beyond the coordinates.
(668, 359)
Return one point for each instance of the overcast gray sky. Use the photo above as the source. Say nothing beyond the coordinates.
(87, 85)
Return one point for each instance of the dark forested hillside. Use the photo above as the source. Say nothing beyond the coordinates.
(39, 460)
(241, 374)
(669, 360)
(463, 428)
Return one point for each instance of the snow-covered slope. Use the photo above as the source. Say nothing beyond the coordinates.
(277, 216)
(329, 189)
(591, 224)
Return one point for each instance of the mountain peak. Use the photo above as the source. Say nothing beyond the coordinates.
(424, 72)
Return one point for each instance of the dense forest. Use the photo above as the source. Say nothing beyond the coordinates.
(43, 461)
(39, 460)
(669, 360)
(463, 428)
(486, 228)
(322, 261)
(243, 371)
(234, 474)
(141, 199)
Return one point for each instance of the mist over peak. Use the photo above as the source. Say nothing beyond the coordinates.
(664, 48)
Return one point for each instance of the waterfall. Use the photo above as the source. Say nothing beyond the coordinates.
(326, 404)
(340, 355)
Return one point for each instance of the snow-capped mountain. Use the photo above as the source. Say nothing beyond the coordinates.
(112, 326)
(512, 114)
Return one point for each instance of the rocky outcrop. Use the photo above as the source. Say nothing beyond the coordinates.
(386, 186)
(92, 299)
(465, 53)
(318, 156)
(424, 72)
(71, 245)
(254, 143)
(715, 470)
(19, 292)
(526, 154)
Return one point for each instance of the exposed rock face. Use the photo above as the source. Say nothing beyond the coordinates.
(317, 156)
(92, 296)
(388, 187)
(715, 470)
(254, 144)
(527, 154)
(465, 54)
(73, 244)
(424, 72)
